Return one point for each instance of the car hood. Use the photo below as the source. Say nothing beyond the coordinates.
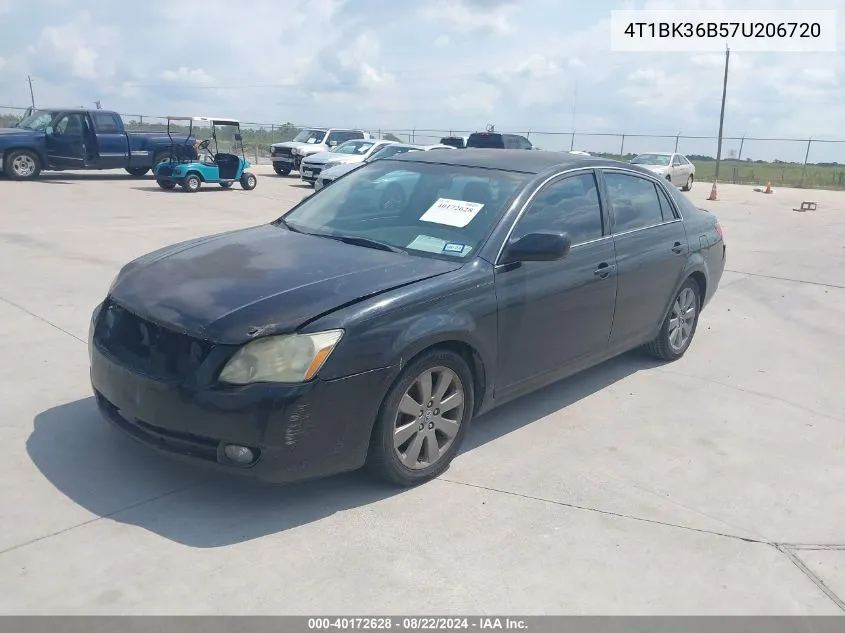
(289, 144)
(259, 281)
(17, 131)
(322, 157)
(338, 170)
(655, 168)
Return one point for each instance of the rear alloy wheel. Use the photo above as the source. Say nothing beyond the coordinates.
(137, 171)
(688, 186)
(423, 419)
(676, 333)
(192, 183)
(166, 184)
(248, 181)
(22, 164)
(281, 171)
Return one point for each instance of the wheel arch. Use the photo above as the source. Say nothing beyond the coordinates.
(34, 150)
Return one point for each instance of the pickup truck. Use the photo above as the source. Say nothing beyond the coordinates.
(71, 138)
(288, 155)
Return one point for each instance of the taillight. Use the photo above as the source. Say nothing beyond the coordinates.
(719, 232)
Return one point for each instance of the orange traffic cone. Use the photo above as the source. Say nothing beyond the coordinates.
(713, 195)
(768, 188)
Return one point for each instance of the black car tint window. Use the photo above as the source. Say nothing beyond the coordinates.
(634, 202)
(105, 123)
(570, 205)
(665, 206)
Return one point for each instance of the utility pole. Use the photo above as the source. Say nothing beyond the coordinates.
(713, 195)
(31, 93)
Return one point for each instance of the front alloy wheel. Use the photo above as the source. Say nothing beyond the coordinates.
(423, 419)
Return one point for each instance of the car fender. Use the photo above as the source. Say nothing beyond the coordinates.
(36, 147)
(695, 263)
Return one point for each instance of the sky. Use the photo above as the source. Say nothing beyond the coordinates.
(523, 65)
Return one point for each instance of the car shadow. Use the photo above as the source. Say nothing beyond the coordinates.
(203, 189)
(91, 175)
(112, 476)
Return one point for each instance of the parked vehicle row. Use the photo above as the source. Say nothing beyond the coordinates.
(60, 139)
(371, 329)
(287, 156)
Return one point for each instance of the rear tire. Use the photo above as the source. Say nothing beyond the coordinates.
(688, 186)
(168, 185)
(679, 327)
(22, 164)
(407, 427)
(161, 157)
(248, 181)
(192, 183)
(281, 171)
(137, 171)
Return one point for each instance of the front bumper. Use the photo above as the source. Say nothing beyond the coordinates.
(298, 431)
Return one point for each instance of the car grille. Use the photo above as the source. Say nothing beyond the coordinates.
(282, 151)
(164, 171)
(146, 347)
(314, 169)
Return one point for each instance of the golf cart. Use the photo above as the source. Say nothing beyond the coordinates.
(189, 169)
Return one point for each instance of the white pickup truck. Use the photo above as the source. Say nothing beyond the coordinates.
(288, 155)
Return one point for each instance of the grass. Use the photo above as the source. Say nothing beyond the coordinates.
(759, 173)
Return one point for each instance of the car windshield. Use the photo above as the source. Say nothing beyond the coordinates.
(354, 147)
(38, 120)
(651, 159)
(390, 150)
(425, 209)
(310, 136)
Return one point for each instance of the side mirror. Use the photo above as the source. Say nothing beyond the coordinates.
(332, 143)
(538, 247)
(238, 137)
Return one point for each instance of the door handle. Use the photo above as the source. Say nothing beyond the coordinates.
(604, 269)
(678, 248)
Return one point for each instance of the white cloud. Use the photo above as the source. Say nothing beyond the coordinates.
(448, 64)
(192, 76)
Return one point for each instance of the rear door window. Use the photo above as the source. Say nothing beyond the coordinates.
(486, 140)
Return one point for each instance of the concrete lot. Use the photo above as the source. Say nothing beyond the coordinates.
(710, 486)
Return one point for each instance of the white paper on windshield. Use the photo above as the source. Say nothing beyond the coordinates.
(436, 245)
(428, 243)
(452, 212)
(311, 141)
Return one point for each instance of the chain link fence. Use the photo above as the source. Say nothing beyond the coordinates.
(785, 162)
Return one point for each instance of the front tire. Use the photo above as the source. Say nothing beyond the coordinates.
(248, 181)
(192, 183)
(137, 171)
(423, 419)
(22, 164)
(688, 186)
(281, 171)
(679, 327)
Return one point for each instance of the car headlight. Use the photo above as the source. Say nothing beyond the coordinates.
(333, 163)
(285, 358)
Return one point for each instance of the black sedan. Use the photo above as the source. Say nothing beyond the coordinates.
(371, 322)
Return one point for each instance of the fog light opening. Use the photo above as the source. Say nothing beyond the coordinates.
(240, 455)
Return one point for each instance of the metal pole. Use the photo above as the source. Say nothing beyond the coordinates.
(622, 148)
(741, 143)
(722, 116)
(678, 136)
(31, 93)
(572, 142)
(806, 158)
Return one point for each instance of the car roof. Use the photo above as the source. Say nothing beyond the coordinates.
(656, 153)
(207, 119)
(518, 160)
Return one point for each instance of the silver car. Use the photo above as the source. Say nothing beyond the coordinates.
(334, 169)
(349, 152)
(674, 167)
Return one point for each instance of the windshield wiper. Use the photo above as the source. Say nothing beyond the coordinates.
(368, 242)
(284, 223)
